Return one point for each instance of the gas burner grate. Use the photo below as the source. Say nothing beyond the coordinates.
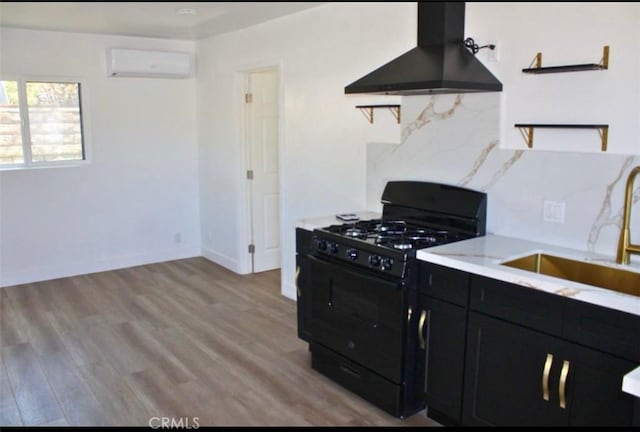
(395, 234)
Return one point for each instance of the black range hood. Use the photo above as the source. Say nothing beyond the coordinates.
(439, 64)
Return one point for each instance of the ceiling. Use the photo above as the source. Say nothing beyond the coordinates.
(171, 20)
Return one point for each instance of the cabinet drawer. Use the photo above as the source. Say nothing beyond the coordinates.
(522, 305)
(606, 329)
(444, 283)
(360, 380)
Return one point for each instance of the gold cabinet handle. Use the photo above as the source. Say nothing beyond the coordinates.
(423, 317)
(545, 377)
(296, 281)
(563, 383)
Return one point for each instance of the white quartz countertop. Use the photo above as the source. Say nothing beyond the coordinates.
(483, 255)
(324, 221)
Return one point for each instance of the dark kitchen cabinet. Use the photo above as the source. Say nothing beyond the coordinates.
(608, 330)
(303, 293)
(519, 377)
(523, 367)
(506, 372)
(441, 349)
(531, 308)
(594, 386)
(442, 326)
(444, 283)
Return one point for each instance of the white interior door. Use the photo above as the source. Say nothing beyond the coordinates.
(264, 186)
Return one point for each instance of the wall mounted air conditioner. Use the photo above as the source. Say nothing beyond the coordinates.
(123, 62)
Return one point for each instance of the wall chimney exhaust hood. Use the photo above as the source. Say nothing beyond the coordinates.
(439, 64)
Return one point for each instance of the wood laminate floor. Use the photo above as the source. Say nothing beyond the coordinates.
(180, 339)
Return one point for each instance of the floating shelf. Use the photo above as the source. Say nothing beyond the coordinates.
(538, 69)
(367, 110)
(603, 130)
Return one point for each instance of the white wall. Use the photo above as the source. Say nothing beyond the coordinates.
(141, 187)
(319, 51)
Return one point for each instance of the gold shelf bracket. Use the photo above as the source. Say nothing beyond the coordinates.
(537, 61)
(396, 112)
(604, 62)
(604, 137)
(367, 111)
(528, 135)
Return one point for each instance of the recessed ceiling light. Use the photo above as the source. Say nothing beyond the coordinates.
(186, 11)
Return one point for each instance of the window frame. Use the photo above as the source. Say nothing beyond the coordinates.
(25, 129)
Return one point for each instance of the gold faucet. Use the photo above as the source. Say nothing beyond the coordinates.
(625, 248)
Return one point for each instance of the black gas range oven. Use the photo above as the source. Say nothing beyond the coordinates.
(358, 294)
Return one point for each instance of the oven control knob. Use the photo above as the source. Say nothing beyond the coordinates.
(333, 248)
(321, 244)
(387, 263)
(352, 254)
(374, 260)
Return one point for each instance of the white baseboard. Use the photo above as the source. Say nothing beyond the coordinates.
(223, 260)
(42, 273)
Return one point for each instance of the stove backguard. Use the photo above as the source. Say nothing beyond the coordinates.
(436, 205)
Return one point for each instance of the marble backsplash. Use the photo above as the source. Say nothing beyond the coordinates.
(454, 139)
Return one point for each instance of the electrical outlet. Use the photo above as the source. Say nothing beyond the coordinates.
(493, 54)
(553, 212)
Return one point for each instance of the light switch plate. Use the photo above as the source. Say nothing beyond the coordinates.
(553, 212)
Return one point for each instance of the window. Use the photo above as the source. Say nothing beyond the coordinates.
(41, 123)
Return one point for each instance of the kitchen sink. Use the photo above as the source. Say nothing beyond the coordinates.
(611, 278)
